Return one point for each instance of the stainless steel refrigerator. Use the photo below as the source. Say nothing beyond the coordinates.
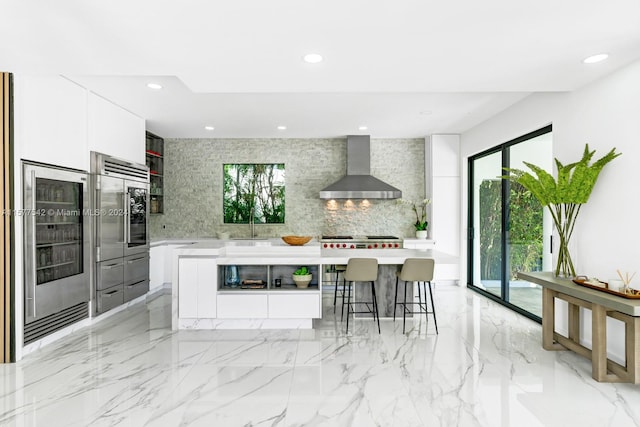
(56, 248)
(121, 202)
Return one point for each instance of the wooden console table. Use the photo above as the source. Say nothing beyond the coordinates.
(601, 305)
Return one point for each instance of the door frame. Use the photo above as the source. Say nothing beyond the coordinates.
(504, 238)
(7, 259)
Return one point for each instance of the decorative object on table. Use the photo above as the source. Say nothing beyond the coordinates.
(231, 276)
(563, 197)
(596, 284)
(296, 240)
(626, 279)
(420, 210)
(615, 285)
(302, 277)
(253, 284)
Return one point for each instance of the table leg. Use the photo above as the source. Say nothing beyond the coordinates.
(599, 342)
(548, 320)
(574, 322)
(632, 327)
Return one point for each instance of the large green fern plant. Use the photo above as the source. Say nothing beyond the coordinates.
(564, 197)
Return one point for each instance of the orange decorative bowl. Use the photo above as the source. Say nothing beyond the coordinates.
(296, 240)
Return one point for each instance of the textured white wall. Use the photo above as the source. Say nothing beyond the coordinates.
(193, 186)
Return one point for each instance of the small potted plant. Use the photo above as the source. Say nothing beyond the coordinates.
(302, 277)
(420, 210)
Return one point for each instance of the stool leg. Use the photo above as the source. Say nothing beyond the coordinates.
(344, 290)
(335, 290)
(395, 301)
(375, 304)
(433, 307)
(404, 307)
(426, 304)
(348, 306)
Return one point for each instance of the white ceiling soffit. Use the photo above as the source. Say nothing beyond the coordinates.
(485, 55)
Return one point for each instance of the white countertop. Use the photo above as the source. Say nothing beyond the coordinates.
(162, 242)
(385, 256)
(275, 251)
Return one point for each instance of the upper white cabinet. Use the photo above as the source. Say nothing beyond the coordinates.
(445, 152)
(114, 130)
(443, 170)
(51, 121)
(59, 122)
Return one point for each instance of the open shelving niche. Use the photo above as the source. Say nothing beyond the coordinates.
(154, 156)
(268, 274)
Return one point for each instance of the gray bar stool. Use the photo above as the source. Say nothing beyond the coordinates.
(362, 270)
(416, 270)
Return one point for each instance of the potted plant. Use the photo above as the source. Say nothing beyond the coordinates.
(302, 277)
(564, 197)
(420, 210)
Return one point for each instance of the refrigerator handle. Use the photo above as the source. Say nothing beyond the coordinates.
(127, 224)
(34, 258)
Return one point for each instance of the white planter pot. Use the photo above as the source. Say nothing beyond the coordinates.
(302, 281)
(421, 234)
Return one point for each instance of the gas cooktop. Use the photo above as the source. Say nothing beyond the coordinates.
(364, 238)
(361, 242)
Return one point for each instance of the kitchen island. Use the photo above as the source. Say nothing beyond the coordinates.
(203, 299)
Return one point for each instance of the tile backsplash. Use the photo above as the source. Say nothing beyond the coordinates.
(193, 187)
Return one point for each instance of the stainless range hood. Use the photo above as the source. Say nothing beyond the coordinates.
(358, 183)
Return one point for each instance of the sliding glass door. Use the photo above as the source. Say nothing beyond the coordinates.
(487, 223)
(509, 229)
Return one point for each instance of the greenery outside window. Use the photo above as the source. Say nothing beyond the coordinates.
(254, 191)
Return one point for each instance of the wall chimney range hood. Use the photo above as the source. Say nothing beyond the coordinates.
(358, 183)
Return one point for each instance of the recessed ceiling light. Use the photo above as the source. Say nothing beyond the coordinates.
(595, 58)
(155, 86)
(312, 58)
(282, 128)
(209, 127)
(363, 128)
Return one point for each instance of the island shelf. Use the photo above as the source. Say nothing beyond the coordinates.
(234, 278)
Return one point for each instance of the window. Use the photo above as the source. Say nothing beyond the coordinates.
(254, 192)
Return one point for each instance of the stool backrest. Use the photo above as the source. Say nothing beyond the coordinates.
(417, 270)
(361, 270)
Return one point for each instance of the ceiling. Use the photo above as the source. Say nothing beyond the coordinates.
(403, 68)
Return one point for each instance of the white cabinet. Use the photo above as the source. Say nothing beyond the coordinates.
(59, 122)
(51, 121)
(198, 282)
(443, 169)
(242, 306)
(266, 300)
(421, 244)
(115, 131)
(445, 151)
(161, 264)
(290, 306)
(252, 296)
(157, 266)
(444, 165)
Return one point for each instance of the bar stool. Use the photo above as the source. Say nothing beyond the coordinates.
(362, 270)
(339, 269)
(416, 270)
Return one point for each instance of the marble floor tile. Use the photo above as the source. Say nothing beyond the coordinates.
(486, 367)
